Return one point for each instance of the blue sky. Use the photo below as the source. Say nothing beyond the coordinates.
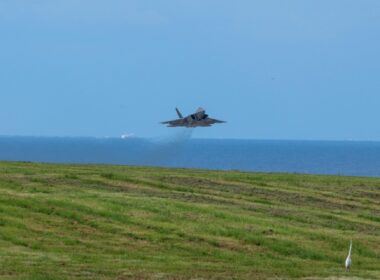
(272, 69)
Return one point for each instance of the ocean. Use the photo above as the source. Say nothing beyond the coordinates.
(312, 157)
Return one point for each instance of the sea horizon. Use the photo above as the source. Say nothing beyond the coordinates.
(324, 157)
(121, 137)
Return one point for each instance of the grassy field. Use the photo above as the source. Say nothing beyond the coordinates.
(118, 222)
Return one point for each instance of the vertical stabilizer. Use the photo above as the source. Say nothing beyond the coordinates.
(179, 113)
(199, 110)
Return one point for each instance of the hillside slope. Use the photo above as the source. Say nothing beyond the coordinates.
(116, 222)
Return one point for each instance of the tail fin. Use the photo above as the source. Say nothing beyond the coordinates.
(179, 113)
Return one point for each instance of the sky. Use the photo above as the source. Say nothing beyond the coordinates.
(273, 69)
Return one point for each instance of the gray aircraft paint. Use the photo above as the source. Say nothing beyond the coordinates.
(198, 119)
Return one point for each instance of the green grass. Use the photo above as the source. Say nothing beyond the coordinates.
(118, 222)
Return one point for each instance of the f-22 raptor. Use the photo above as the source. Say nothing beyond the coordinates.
(199, 118)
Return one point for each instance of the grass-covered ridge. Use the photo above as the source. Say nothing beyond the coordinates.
(116, 222)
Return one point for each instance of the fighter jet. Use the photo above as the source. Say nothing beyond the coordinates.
(199, 118)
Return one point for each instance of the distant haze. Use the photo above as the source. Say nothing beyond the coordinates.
(273, 69)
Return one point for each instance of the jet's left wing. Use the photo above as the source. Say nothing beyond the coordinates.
(215, 121)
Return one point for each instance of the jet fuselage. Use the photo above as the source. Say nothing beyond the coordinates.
(199, 118)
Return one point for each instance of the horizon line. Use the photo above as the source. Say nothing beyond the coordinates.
(192, 138)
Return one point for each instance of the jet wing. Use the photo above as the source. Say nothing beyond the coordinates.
(177, 122)
(215, 121)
